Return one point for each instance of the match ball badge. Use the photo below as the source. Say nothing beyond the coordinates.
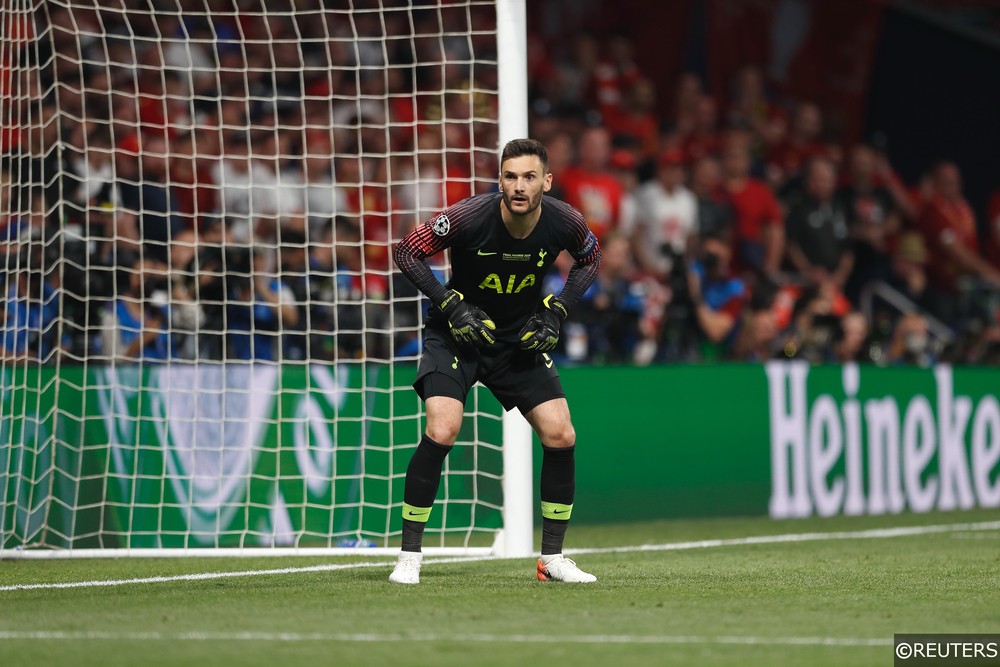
(441, 225)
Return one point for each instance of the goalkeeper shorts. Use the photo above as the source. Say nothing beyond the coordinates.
(518, 378)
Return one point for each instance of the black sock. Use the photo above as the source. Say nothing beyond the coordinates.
(557, 488)
(423, 476)
(553, 534)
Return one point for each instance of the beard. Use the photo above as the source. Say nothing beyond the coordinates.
(532, 203)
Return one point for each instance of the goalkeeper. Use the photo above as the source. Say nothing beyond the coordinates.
(492, 324)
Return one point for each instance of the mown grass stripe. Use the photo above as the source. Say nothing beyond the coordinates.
(42, 635)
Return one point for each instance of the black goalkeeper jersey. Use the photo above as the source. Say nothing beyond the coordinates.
(492, 269)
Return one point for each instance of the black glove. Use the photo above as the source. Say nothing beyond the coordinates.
(469, 325)
(541, 332)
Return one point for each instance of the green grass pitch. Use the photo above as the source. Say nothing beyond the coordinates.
(813, 602)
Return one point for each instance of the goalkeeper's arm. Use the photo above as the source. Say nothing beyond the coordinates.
(411, 256)
(469, 325)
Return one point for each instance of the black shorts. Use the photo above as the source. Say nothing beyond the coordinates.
(517, 378)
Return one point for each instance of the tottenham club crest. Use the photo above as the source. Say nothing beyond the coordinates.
(441, 225)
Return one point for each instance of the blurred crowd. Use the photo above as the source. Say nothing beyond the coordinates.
(177, 185)
(745, 230)
(183, 185)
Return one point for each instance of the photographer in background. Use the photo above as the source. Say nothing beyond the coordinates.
(717, 297)
(137, 325)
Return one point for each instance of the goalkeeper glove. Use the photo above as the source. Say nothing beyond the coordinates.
(469, 325)
(541, 332)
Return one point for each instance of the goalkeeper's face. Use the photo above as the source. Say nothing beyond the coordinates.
(523, 180)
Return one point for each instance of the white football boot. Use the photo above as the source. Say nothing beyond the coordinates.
(407, 570)
(559, 568)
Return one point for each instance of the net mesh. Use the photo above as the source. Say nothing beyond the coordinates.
(204, 342)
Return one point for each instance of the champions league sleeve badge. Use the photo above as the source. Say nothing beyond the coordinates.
(441, 225)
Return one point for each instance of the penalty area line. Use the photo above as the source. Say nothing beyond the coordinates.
(876, 533)
(292, 637)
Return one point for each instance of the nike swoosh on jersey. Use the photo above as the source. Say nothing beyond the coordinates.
(485, 254)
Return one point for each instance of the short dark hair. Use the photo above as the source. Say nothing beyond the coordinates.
(521, 147)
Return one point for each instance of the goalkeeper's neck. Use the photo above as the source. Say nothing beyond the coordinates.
(520, 226)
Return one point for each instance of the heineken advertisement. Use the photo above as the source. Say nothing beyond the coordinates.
(784, 439)
(211, 455)
(250, 455)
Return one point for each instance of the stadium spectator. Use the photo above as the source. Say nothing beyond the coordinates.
(873, 218)
(589, 185)
(816, 229)
(666, 218)
(700, 137)
(614, 75)
(717, 297)
(851, 338)
(283, 208)
(753, 110)
(260, 308)
(625, 168)
(561, 157)
(788, 160)
(715, 215)
(245, 186)
(191, 177)
(635, 122)
(612, 308)
(758, 336)
(150, 195)
(29, 329)
(137, 325)
(949, 229)
(758, 233)
(321, 197)
(92, 170)
(910, 343)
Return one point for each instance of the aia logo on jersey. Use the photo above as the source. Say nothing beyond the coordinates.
(441, 225)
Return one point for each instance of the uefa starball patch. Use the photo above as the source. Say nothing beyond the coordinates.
(441, 225)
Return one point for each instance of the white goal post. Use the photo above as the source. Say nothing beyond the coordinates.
(204, 348)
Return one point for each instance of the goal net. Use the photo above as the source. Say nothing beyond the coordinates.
(205, 347)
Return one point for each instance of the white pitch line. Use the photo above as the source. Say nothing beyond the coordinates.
(41, 635)
(877, 533)
(204, 576)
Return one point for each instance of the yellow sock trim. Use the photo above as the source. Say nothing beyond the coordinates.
(412, 513)
(556, 511)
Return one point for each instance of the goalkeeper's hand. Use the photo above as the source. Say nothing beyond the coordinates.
(541, 332)
(469, 325)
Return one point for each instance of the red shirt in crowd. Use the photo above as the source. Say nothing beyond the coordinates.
(946, 222)
(754, 207)
(597, 195)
